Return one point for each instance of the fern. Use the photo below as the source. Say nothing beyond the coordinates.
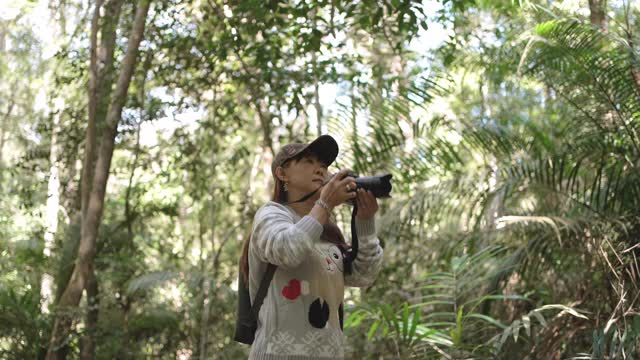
(525, 324)
(444, 316)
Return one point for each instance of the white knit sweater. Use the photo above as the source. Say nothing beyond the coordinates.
(301, 317)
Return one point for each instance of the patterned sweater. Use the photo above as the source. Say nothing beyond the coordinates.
(302, 314)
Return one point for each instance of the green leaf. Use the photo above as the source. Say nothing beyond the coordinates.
(415, 320)
(405, 322)
(526, 322)
(488, 319)
(373, 329)
(539, 317)
(515, 330)
(564, 308)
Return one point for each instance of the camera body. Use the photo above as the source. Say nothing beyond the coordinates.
(379, 185)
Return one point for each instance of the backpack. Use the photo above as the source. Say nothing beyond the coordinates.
(247, 315)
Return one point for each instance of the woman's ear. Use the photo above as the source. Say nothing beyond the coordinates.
(281, 174)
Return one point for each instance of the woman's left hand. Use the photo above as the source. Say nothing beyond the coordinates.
(367, 204)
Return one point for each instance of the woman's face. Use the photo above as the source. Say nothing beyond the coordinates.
(304, 175)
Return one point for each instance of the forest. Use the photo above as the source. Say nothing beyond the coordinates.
(136, 139)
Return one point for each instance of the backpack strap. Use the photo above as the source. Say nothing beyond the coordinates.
(262, 291)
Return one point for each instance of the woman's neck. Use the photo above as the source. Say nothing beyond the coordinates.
(302, 208)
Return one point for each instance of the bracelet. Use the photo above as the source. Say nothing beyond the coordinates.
(323, 204)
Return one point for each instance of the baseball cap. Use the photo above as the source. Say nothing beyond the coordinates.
(324, 147)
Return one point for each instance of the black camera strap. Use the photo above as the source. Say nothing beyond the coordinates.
(304, 198)
(353, 252)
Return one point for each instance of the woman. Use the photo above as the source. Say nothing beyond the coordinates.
(302, 313)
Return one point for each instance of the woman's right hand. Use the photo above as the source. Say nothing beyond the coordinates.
(339, 189)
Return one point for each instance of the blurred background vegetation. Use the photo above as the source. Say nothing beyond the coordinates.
(136, 138)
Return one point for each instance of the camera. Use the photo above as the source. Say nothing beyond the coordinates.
(379, 185)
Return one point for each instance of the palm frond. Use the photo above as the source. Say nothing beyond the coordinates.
(594, 68)
(395, 140)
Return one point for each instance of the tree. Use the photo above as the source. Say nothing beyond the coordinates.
(96, 175)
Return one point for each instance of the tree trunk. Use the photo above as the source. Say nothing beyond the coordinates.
(90, 137)
(206, 280)
(3, 34)
(316, 82)
(100, 83)
(62, 324)
(105, 57)
(53, 203)
(88, 342)
(206, 306)
(92, 211)
(53, 188)
(4, 128)
(316, 90)
(598, 14)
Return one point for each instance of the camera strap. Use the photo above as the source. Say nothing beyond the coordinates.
(350, 255)
(304, 198)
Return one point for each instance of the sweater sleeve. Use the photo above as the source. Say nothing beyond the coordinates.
(368, 263)
(277, 240)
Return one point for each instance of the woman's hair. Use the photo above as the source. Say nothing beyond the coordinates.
(331, 232)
